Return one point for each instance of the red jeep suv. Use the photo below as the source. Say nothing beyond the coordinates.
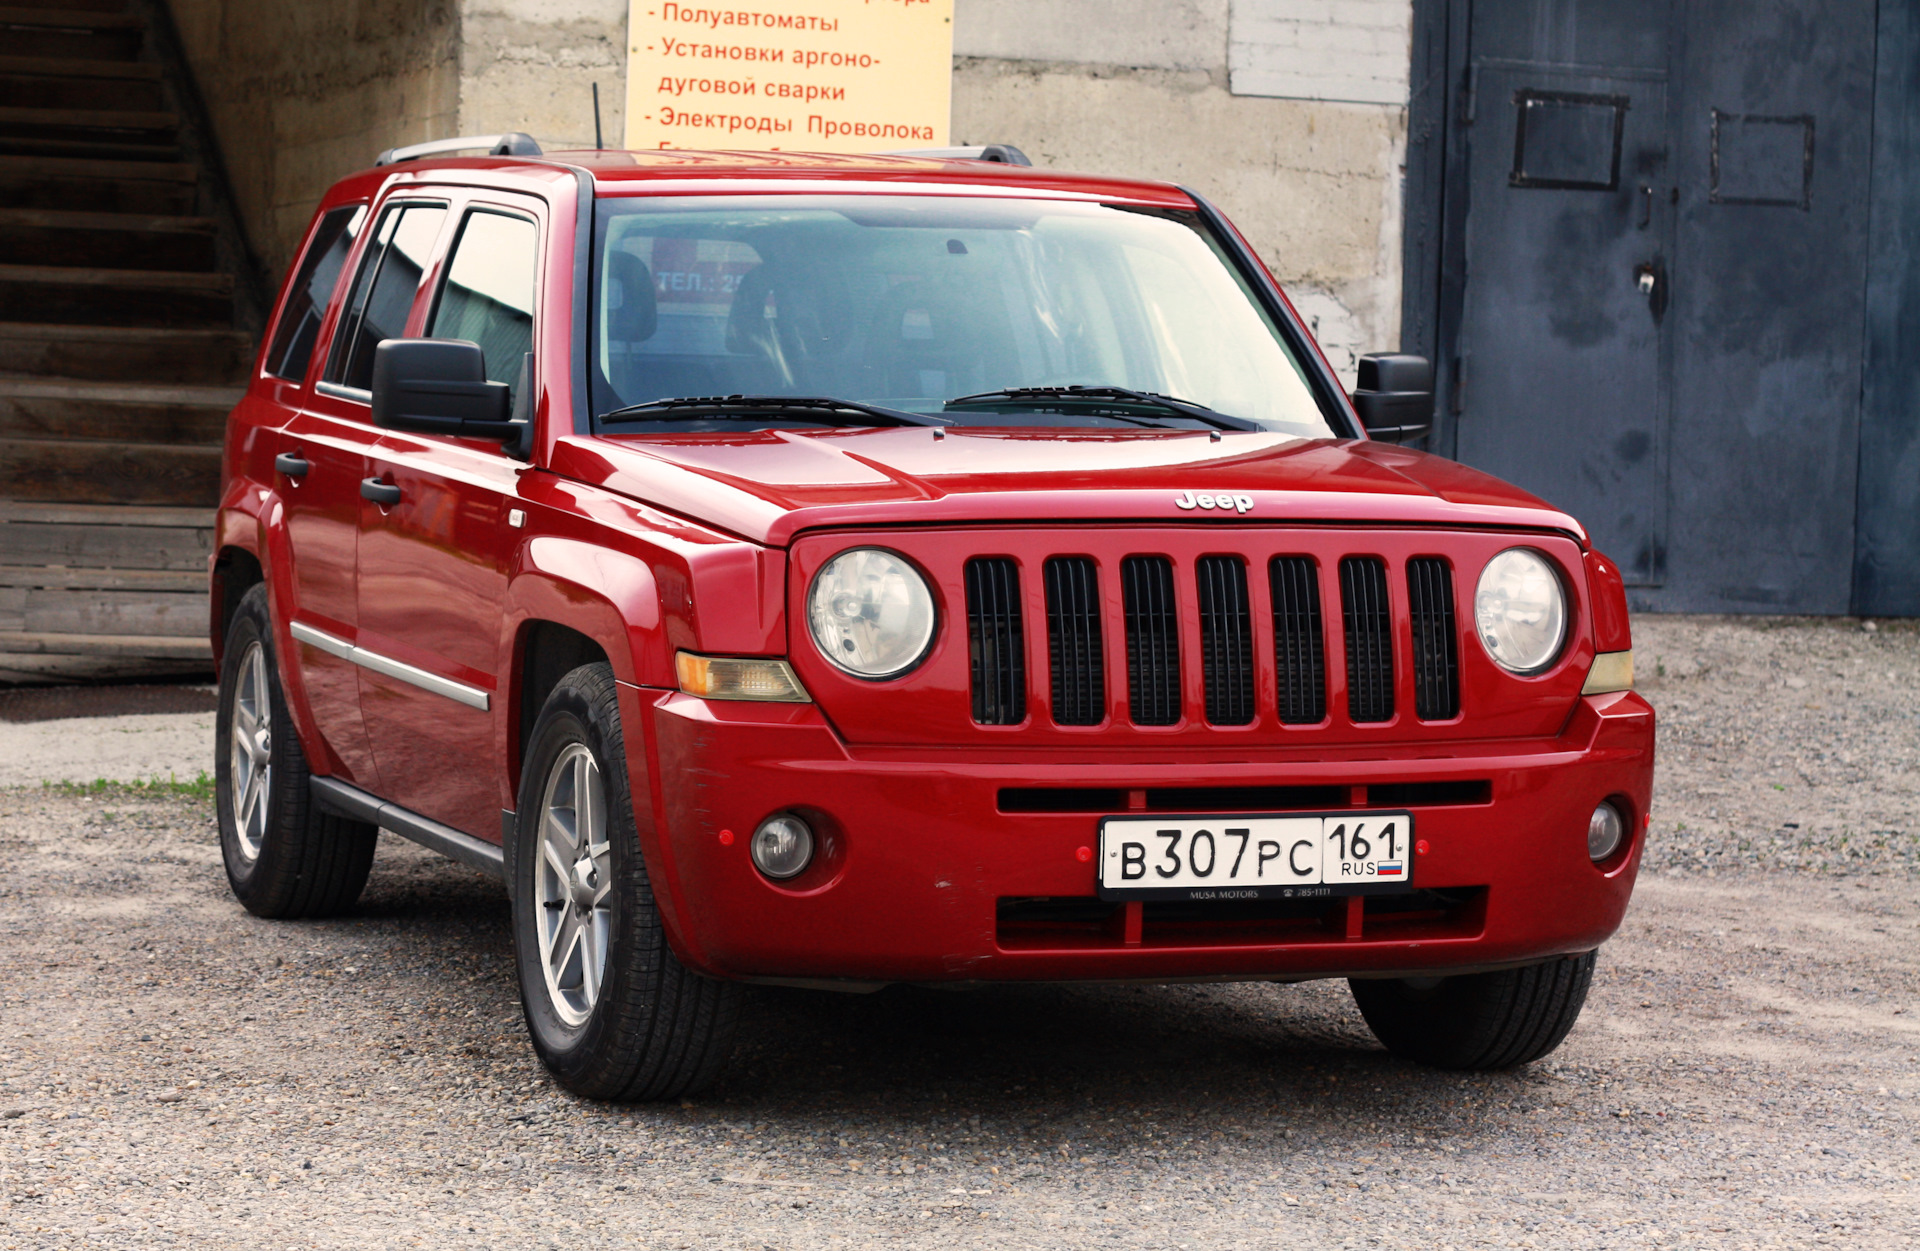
(834, 571)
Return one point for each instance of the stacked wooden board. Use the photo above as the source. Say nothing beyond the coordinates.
(121, 351)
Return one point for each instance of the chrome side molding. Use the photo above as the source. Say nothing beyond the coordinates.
(458, 692)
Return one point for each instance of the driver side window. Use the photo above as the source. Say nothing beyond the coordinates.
(488, 294)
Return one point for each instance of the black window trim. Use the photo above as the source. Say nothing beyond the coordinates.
(395, 203)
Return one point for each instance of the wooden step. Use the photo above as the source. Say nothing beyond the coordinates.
(27, 145)
(107, 536)
(153, 187)
(81, 35)
(62, 578)
(53, 83)
(126, 353)
(106, 240)
(89, 125)
(115, 297)
(164, 647)
(38, 408)
(36, 610)
(85, 471)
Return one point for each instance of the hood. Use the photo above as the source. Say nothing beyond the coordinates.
(768, 486)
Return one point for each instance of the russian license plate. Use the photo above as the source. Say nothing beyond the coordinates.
(1287, 856)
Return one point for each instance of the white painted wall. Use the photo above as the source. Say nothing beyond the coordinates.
(1351, 50)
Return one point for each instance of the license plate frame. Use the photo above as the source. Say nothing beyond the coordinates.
(1111, 860)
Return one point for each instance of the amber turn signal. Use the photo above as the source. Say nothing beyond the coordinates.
(1612, 671)
(739, 677)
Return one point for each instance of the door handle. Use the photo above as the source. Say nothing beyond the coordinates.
(291, 465)
(379, 492)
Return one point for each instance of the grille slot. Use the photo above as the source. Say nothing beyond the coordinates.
(1153, 640)
(1436, 654)
(1299, 648)
(1226, 639)
(996, 645)
(1074, 652)
(1369, 632)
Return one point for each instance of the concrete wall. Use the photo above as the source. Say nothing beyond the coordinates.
(530, 65)
(303, 93)
(1144, 87)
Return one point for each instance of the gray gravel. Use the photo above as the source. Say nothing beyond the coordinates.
(174, 1072)
(1785, 743)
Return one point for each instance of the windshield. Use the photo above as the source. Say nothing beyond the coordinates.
(910, 302)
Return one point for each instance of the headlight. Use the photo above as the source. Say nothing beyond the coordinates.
(871, 613)
(1520, 610)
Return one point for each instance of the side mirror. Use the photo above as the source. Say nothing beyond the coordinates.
(439, 386)
(1394, 396)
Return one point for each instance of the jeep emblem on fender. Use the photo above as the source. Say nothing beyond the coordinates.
(1239, 503)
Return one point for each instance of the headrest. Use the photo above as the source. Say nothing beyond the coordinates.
(807, 316)
(632, 309)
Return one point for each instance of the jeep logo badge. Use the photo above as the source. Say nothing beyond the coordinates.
(1239, 503)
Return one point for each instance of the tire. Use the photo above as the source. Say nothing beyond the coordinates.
(1479, 1020)
(285, 858)
(614, 1015)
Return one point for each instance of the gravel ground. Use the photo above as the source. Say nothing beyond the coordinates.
(174, 1072)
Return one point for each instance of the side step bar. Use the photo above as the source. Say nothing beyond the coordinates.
(350, 801)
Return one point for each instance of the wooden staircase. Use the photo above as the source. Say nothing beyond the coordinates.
(127, 301)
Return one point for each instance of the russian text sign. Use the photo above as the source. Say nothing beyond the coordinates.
(792, 75)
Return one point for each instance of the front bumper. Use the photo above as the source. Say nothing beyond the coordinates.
(924, 876)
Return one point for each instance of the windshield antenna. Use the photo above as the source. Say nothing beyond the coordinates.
(598, 144)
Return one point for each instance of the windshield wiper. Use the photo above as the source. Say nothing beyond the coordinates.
(1112, 399)
(753, 407)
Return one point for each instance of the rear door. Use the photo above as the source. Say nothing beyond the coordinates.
(319, 461)
(433, 565)
(332, 433)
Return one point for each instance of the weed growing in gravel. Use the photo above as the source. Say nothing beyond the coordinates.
(200, 787)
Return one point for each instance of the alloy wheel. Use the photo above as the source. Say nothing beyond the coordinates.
(250, 750)
(573, 882)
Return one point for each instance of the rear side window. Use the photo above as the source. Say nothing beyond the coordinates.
(312, 291)
(384, 289)
(489, 291)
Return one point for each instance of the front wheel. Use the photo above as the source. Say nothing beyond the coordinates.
(1478, 1020)
(612, 1012)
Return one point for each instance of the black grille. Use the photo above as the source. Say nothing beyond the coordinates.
(1369, 622)
(1299, 651)
(995, 643)
(1226, 639)
(1436, 655)
(1073, 641)
(1153, 640)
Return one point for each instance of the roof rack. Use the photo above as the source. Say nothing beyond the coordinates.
(514, 144)
(1004, 153)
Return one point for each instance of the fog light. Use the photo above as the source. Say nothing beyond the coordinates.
(783, 847)
(1605, 829)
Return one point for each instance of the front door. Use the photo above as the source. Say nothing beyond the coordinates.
(434, 564)
(1564, 325)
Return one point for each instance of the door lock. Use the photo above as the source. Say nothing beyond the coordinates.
(1646, 279)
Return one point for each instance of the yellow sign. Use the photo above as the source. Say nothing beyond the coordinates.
(790, 75)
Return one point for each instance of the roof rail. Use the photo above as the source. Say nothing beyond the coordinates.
(1004, 153)
(514, 144)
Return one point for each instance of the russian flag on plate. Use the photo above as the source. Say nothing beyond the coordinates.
(1390, 868)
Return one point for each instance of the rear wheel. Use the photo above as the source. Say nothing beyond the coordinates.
(612, 1012)
(1479, 1020)
(285, 858)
